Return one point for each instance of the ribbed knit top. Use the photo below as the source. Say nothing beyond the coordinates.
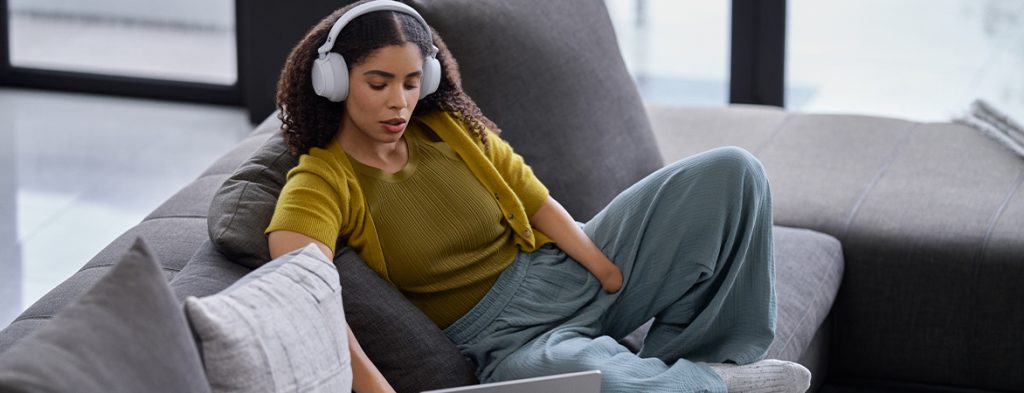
(324, 199)
(441, 231)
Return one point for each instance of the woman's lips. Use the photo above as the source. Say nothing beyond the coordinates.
(394, 125)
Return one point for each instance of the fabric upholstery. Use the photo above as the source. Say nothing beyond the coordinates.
(392, 331)
(244, 204)
(125, 334)
(281, 328)
(170, 241)
(808, 270)
(929, 218)
(207, 273)
(550, 74)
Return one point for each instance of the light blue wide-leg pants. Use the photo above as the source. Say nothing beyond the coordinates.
(694, 243)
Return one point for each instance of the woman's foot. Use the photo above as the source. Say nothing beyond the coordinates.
(766, 376)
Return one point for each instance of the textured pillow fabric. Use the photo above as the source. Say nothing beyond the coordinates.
(125, 334)
(281, 328)
(551, 75)
(242, 207)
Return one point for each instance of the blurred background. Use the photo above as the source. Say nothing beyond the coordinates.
(107, 107)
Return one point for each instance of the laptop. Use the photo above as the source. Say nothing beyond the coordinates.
(581, 382)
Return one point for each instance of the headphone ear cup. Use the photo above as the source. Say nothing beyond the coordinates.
(330, 77)
(431, 76)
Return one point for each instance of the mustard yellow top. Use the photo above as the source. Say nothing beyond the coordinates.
(323, 199)
(442, 233)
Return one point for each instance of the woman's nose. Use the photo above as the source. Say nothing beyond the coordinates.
(396, 98)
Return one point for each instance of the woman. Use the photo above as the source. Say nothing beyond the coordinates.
(400, 162)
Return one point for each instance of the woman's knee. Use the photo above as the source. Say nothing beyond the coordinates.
(735, 160)
(732, 164)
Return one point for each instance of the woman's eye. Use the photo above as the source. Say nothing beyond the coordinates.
(411, 87)
(377, 87)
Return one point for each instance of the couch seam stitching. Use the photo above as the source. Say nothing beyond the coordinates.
(176, 216)
(170, 269)
(874, 182)
(979, 259)
(778, 130)
(999, 214)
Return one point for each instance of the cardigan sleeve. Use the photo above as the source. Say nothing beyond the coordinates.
(309, 202)
(516, 173)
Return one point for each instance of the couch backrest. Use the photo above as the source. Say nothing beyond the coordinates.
(551, 75)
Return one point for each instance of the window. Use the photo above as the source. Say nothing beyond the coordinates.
(185, 40)
(922, 60)
(677, 51)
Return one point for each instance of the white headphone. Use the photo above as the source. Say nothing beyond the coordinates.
(330, 73)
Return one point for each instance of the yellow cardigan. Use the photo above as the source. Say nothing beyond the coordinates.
(322, 198)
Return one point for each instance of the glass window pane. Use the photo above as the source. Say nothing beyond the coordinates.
(676, 50)
(184, 40)
(918, 59)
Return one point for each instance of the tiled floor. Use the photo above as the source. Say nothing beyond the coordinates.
(78, 170)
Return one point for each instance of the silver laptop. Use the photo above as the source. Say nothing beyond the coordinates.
(581, 382)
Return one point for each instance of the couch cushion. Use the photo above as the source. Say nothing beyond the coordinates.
(808, 270)
(550, 74)
(281, 328)
(125, 334)
(929, 218)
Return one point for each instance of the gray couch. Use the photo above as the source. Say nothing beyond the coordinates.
(916, 227)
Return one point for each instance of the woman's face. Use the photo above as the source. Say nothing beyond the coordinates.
(383, 91)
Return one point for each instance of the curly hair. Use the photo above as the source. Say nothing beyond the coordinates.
(311, 121)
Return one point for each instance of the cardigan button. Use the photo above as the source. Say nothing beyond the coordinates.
(527, 232)
(511, 216)
(496, 196)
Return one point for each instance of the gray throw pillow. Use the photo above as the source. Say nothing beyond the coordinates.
(125, 334)
(404, 344)
(281, 328)
(551, 75)
(243, 206)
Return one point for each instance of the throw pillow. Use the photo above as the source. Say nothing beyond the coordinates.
(551, 75)
(405, 345)
(242, 207)
(125, 334)
(281, 328)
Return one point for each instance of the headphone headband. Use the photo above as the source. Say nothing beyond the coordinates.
(329, 73)
(366, 8)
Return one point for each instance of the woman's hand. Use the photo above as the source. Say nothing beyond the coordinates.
(610, 277)
(555, 221)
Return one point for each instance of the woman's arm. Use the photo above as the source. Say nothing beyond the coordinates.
(555, 221)
(365, 376)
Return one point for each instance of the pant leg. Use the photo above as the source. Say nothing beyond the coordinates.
(694, 241)
(571, 348)
(552, 325)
